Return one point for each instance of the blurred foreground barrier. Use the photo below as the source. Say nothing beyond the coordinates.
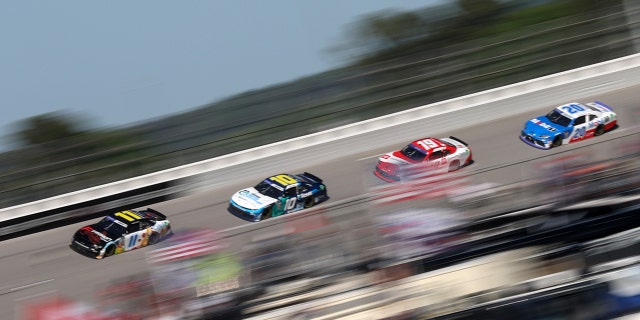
(301, 152)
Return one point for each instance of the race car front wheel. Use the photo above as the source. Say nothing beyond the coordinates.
(557, 141)
(110, 251)
(266, 214)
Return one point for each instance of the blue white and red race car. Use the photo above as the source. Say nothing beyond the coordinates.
(424, 156)
(121, 231)
(569, 123)
(278, 195)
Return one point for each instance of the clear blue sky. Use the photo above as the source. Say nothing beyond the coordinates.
(118, 62)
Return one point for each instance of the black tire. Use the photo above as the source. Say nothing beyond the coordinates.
(557, 141)
(153, 239)
(309, 202)
(266, 214)
(110, 251)
(599, 130)
(455, 164)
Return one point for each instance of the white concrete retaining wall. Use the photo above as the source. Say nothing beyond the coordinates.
(304, 151)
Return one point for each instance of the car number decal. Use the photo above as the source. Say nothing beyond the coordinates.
(132, 240)
(283, 179)
(572, 108)
(427, 144)
(579, 132)
(283, 205)
(291, 203)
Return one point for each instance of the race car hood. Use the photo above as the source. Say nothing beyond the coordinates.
(251, 199)
(542, 126)
(395, 158)
(89, 236)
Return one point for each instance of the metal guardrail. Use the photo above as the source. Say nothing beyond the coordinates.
(582, 82)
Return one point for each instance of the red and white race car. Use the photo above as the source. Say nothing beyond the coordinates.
(424, 156)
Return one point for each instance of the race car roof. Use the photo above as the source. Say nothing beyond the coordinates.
(427, 144)
(126, 216)
(282, 180)
(572, 110)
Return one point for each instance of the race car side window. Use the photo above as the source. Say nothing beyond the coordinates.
(591, 117)
(145, 224)
(291, 192)
(579, 120)
(435, 155)
(133, 227)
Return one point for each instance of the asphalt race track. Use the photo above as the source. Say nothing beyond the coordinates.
(42, 263)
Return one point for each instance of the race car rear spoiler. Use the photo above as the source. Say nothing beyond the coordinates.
(456, 139)
(311, 177)
(153, 214)
(603, 105)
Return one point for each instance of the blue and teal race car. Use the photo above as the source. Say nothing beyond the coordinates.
(278, 195)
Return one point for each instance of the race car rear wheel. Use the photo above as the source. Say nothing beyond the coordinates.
(454, 165)
(599, 130)
(309, 202)
(153, 238)
(110, 251)
(557, 141)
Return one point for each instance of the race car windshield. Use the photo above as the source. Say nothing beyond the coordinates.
(557, 118)
(268, 189)
(413, 153)
(111, 226)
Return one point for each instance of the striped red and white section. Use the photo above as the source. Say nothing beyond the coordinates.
(60, 308)
(427, 187)
(188, 245)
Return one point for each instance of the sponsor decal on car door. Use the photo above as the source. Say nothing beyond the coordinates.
(437, 159)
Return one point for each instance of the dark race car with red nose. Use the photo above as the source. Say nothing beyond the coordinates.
(121, 231)
(424, 156)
